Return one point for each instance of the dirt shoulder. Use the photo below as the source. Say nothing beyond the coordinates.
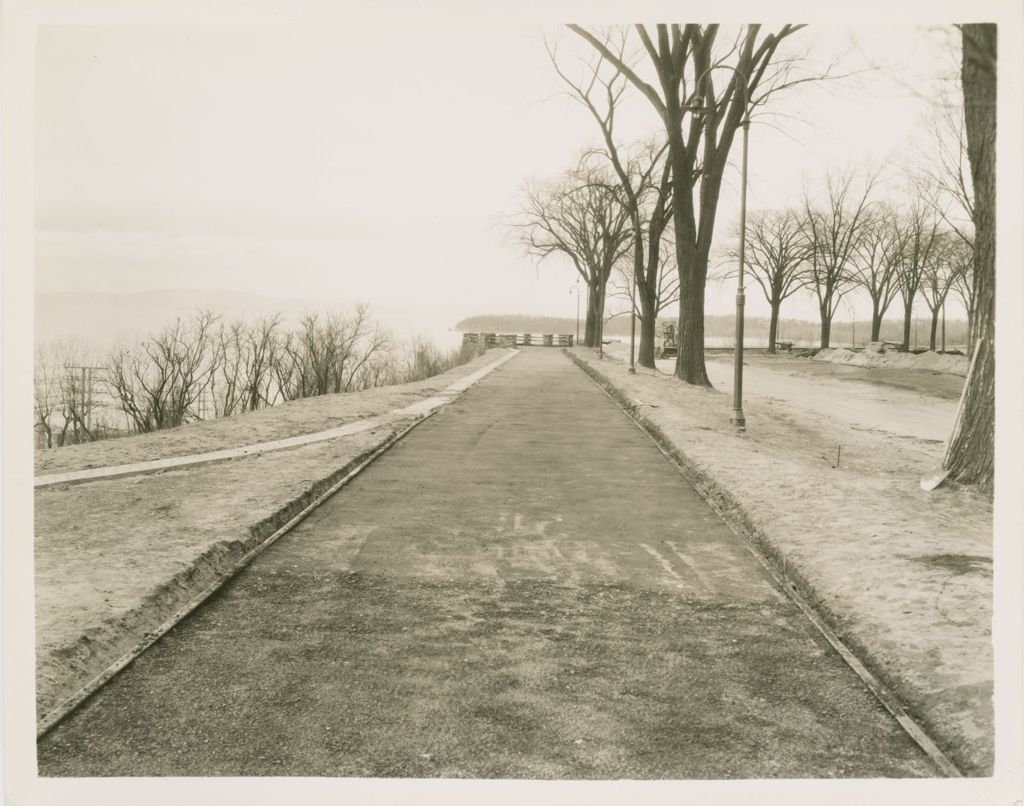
(116, 557)
(903, 576)
(930, 382)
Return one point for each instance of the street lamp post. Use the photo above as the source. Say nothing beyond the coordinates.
(632, 327)
(737, 419)
(576, 289)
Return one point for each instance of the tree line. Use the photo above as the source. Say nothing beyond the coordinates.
(645, 212)
(723, 326)
(895, 254)
(205, 367)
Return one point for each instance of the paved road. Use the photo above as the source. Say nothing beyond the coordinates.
(523, 587)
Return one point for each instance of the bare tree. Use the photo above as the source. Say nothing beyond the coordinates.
(45, 393)
(328, 354)
(683, 57)
(833, 233)
(644, 177)
(944, 174)
(963, 283)
(776, 251)
(580, 216)
(939, 277)
(666, 290)
(879, 254)
(161, 382)
(245, 355)
(921, 227)
(227, 378)
(63, 407)
(971, 452)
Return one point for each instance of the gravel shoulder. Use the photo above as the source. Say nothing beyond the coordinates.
(116, 557)
(902, 575)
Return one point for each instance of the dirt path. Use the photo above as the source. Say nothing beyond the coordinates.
(523, 587)
(861, 404)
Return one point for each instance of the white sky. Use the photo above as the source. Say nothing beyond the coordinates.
(376, 163)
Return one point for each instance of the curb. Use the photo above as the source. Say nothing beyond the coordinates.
(736, 516)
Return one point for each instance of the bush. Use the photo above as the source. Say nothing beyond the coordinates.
(423, 359)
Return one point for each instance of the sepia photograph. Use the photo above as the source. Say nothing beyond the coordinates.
(430, 403)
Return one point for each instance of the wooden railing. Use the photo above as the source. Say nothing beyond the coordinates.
(518, 339)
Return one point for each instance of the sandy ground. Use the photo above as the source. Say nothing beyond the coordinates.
(929, 382)
(859, 404)
(904, 576)
(115, 557)
(919, 404)
(929, 361)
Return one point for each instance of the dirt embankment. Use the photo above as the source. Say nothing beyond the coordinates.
(902, 575)
(926, 362)
(114, 558)
(289, 419)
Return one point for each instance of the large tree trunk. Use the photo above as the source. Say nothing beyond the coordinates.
(690, 365)
(648, 328)
(876, 321)
(826, 327)
(690, 360)
(590, 330)
(972, 451)
(773, 325)
(908, 315)
(934, 330)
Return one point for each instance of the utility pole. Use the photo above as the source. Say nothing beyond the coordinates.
(84, 392)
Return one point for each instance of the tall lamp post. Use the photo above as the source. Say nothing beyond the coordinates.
(697, 105)
(853, 324)
(632, 326)
(576, 289)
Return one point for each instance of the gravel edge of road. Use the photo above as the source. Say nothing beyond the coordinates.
(741, 520)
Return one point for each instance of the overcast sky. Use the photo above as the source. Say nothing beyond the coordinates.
(376, 163)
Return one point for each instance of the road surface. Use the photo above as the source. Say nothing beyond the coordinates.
(857, 403)
(523, 588)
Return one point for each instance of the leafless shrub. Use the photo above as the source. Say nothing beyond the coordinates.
(205, 368)
(422, 359)
(331, 353)
(244, 357)
(63, 382)
(161, 382)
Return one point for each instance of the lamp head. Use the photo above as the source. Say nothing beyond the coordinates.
(695, 104)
